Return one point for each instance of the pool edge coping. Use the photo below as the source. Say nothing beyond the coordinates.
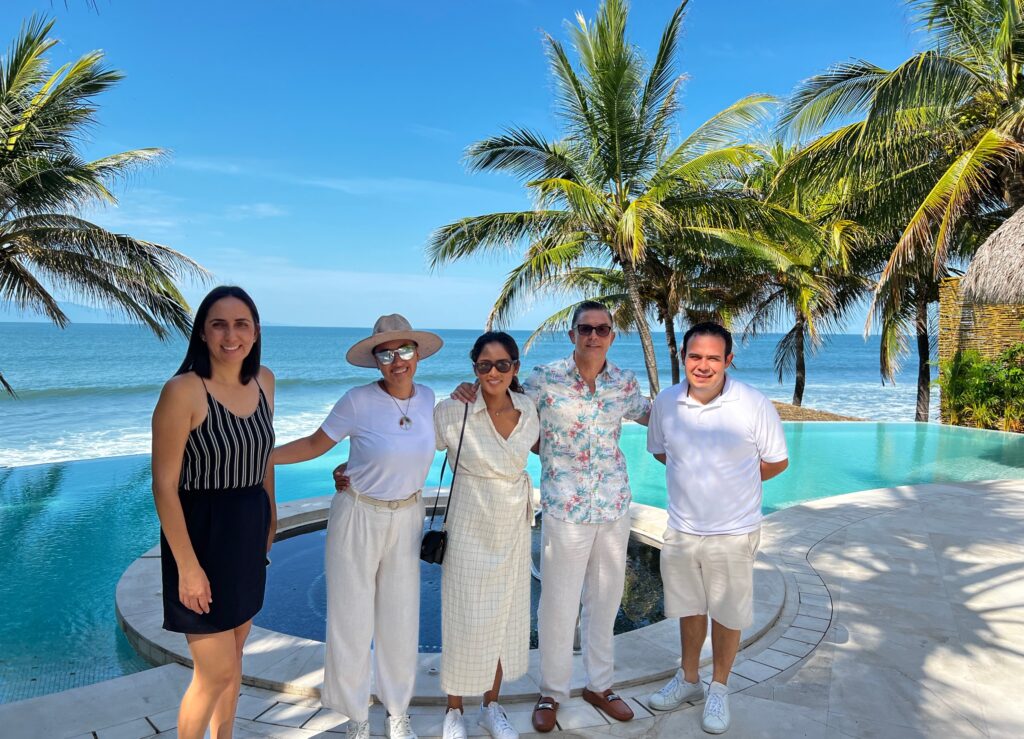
(294, 665)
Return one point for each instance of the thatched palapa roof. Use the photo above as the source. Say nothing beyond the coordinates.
(996, 274)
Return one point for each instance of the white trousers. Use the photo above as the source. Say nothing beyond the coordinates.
(580, 561)
(373, 595)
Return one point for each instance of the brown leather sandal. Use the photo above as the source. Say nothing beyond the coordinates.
(544, 714)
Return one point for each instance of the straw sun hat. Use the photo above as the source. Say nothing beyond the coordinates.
(390, 328)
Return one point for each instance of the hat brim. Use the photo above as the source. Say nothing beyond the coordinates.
(361, 353)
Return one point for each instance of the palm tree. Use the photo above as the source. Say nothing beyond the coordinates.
(936, 145)
(45, 183)
(695, 285)
(611, 184)
(805, 275)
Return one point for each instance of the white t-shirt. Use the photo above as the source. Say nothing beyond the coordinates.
(385, 461)
(713, 456)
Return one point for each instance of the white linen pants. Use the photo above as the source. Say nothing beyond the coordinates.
(373, 595)
(580, 561)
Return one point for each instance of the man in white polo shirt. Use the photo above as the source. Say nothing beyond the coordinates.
(719, 439)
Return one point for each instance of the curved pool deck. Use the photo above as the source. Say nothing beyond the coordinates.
(295, 665)
(902, 614)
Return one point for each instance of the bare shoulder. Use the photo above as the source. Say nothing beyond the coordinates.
(266, 378)
(184, 387)
(182, 396)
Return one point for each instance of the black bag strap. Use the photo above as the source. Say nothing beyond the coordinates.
(451, 485)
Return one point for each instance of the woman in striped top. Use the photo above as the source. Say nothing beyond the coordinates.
(212, 438)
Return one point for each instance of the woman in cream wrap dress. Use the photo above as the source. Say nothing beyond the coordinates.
(486, 584)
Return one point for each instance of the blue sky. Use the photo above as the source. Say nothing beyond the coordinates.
(313, 146)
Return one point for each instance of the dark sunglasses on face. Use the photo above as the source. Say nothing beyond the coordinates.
(387, 356)
(585, 329)
(502, 365)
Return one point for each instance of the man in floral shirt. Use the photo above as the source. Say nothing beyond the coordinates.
(585, 496)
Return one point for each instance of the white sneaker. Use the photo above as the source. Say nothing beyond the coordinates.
(358, 729)
(494, 721)
(454, 725)
(676, 692)
(398, 727)
(716, 710)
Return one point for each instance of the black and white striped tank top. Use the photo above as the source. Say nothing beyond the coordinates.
(226, 451)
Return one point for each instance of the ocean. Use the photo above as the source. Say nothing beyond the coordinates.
(88, 391)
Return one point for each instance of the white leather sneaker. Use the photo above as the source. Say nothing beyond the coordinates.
(454, 725)
(358, 729)
(716, 710)
(675, 693)
(494, 721)
(399, 727)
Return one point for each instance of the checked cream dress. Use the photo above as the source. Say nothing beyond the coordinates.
(485, 590)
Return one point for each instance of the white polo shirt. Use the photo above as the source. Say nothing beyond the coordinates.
(713, 456)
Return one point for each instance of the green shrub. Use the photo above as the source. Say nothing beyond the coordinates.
(984, 393)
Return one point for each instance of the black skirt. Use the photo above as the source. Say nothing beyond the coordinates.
(229, 530)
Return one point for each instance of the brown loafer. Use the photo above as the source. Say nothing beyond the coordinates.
(609, 703)
(544, 714)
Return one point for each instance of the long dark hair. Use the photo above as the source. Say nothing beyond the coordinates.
(509, 344)
(197, 356)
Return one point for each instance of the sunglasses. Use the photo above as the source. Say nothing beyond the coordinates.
(585, 329)
(502, 365)
(387, 356)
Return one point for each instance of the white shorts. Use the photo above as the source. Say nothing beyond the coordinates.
(710, 574)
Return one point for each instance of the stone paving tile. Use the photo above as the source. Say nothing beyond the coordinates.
(250, 707)
(288, 714)
(778, 660)
(807, 589)
(327, 720)
(134, 729)
(754, 670)
(804, 635)
(810, 622)
(578, 714)
(822, 601)
(805, 578)
(820, 612)
(791, 646)
(165, 720)
(737, 683)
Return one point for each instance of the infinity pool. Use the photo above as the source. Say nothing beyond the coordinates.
(68, 531)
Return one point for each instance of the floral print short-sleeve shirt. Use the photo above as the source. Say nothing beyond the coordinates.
(583, 471)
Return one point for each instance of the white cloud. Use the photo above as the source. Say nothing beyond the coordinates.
(254, 211)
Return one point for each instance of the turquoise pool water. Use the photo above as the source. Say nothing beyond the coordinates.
(68, 530)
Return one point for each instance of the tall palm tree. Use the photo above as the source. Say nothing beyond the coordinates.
(676, 283)
(936, 144)
(45, 183)
(606, 188)
(806, 276)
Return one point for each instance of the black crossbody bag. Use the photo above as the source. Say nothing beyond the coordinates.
(434, 543)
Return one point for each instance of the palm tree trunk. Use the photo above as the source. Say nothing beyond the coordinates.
(800, 362)
(646, 342)
(673, 349)
(924, 373)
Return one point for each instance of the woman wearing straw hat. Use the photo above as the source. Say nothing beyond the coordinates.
(375, 526)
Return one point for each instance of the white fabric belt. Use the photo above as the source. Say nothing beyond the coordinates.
(393, 505)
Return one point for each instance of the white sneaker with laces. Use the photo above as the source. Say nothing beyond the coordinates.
(454, 725)
(494, 721)
(676, 692)
(399, 727)
(358, 729)
(716, 710)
